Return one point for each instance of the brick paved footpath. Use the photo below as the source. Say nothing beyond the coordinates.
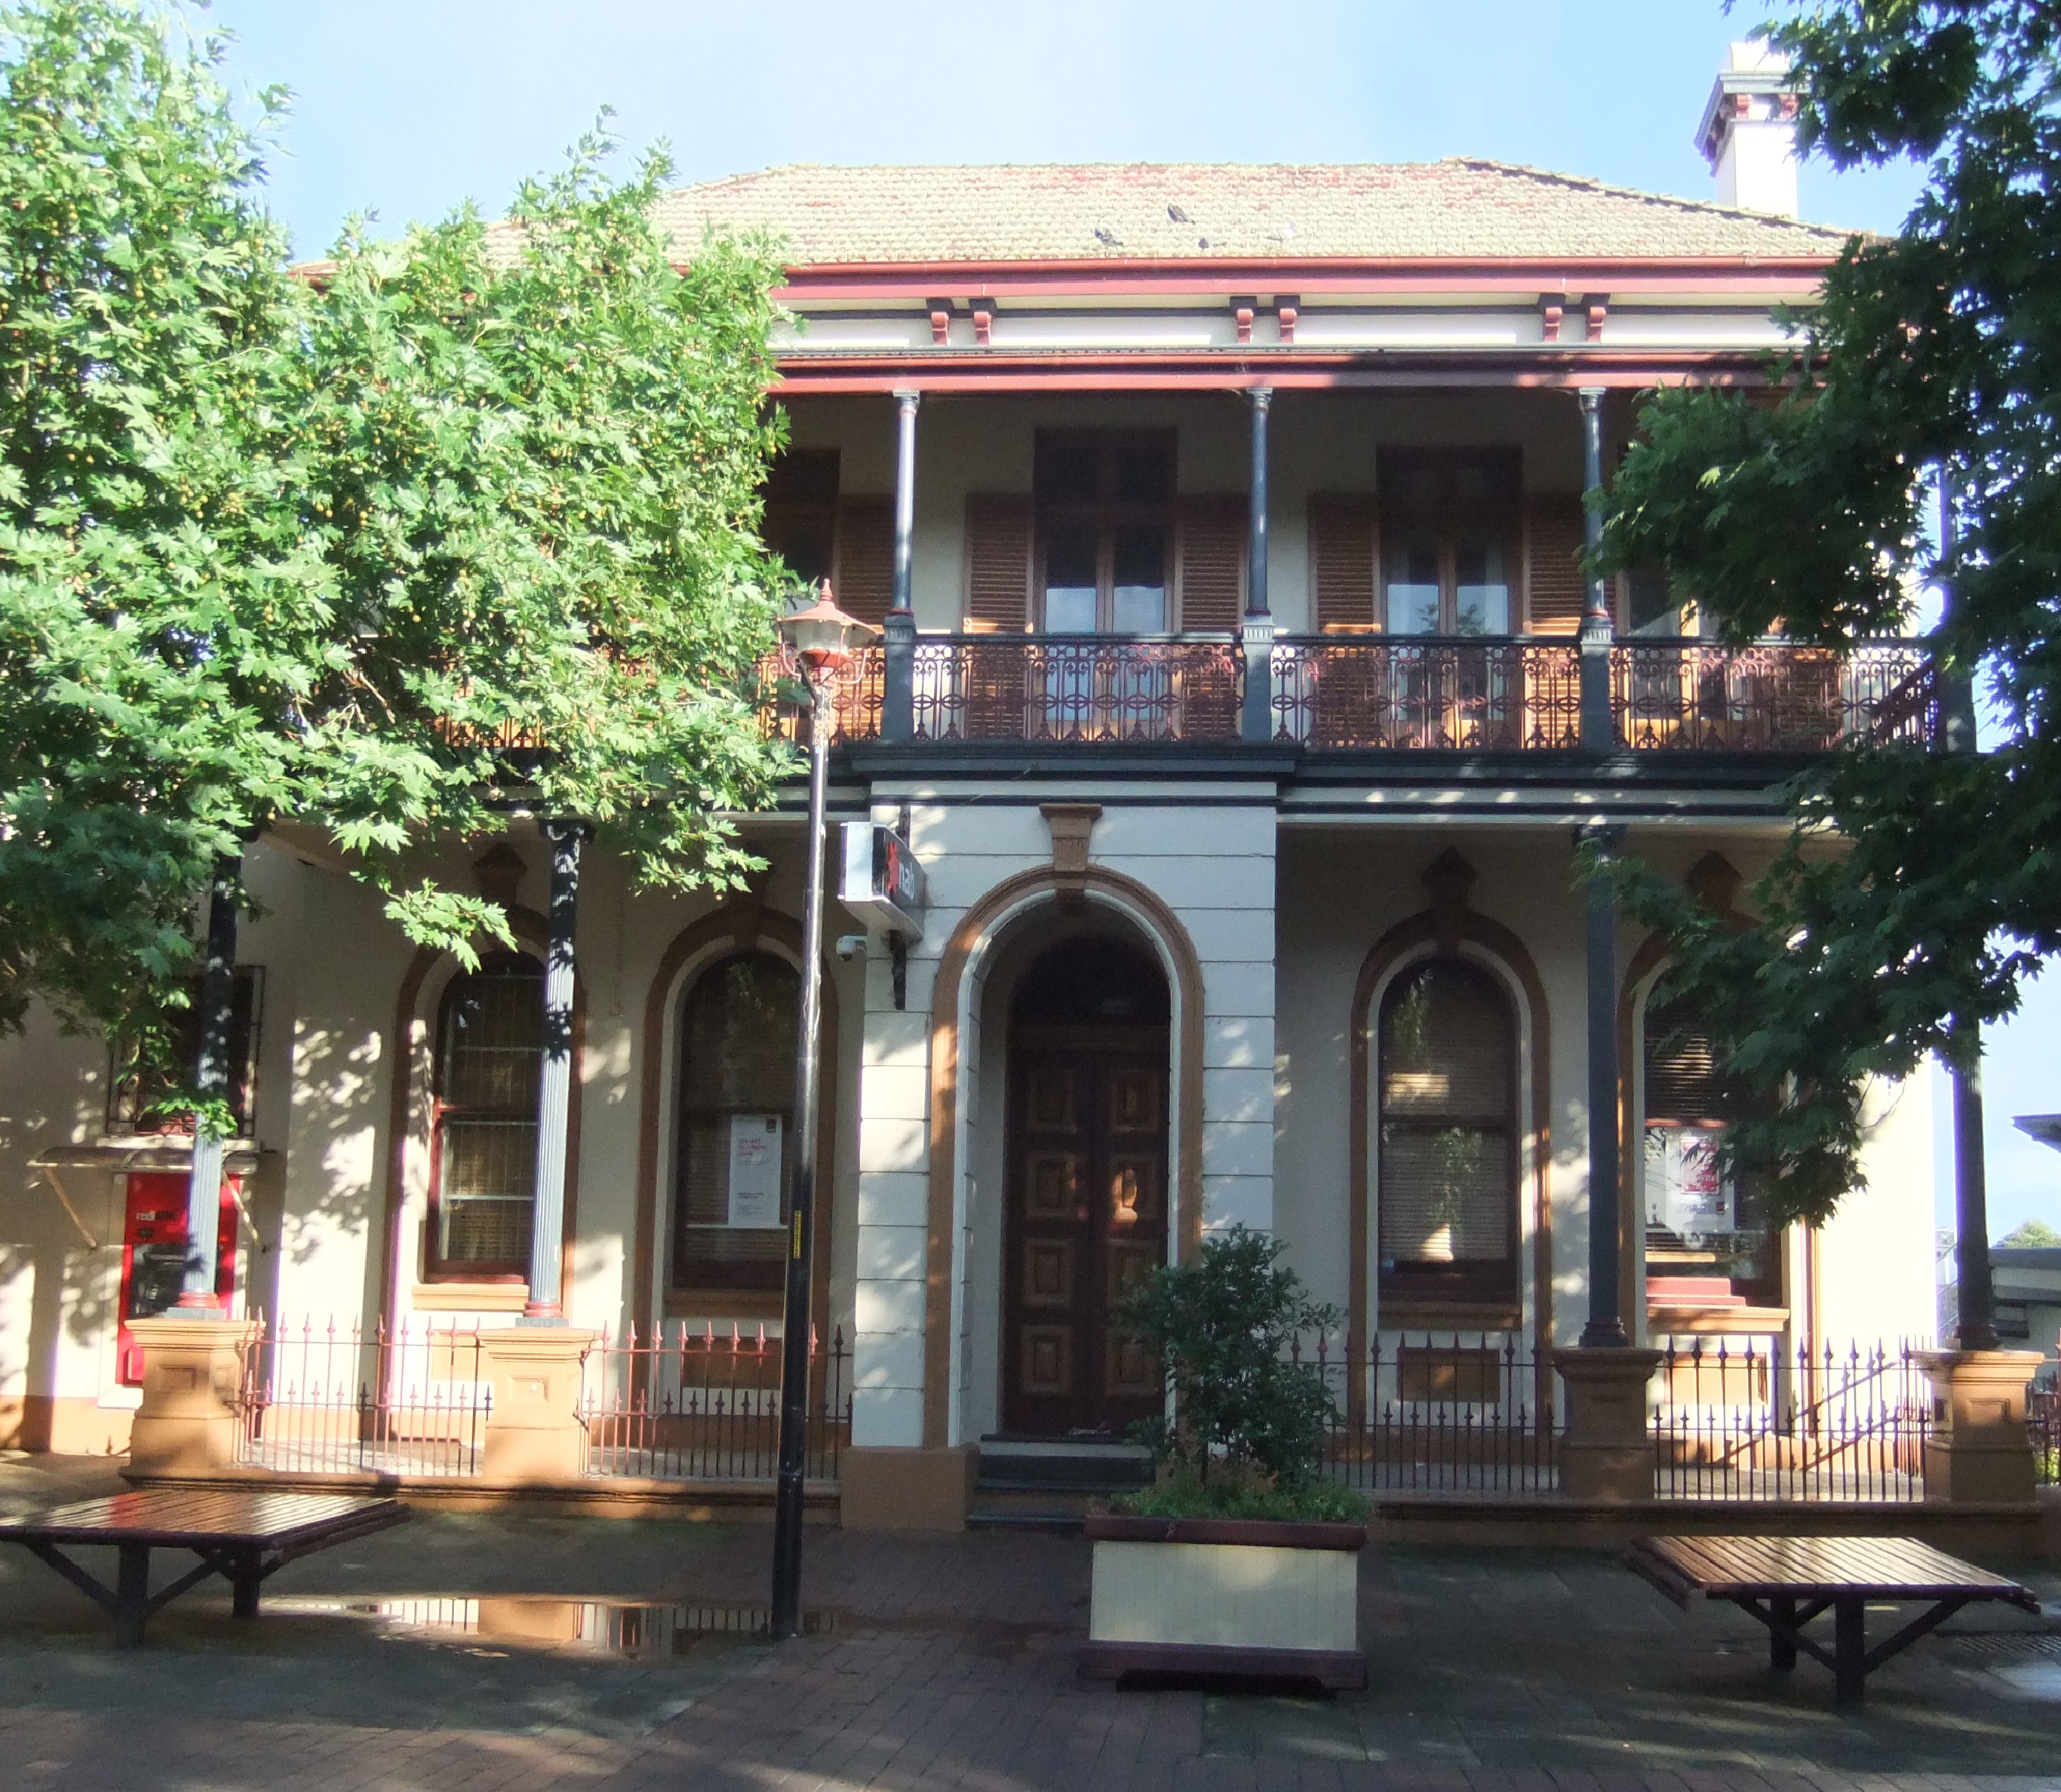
(947, 1662)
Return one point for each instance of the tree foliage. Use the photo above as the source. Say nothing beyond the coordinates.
(462, 525)
(1917, 889)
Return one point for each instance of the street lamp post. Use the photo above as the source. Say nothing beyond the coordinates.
(821, 639)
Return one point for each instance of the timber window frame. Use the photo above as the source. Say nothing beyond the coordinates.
(1445, 514)
(707, 1100)
(1446, 1095)
(1104, 501)
(461, 1107)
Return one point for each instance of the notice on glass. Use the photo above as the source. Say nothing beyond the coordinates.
(754, 1170)
(1686, 1190)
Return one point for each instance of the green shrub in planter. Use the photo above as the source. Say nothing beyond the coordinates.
(1247, 1435)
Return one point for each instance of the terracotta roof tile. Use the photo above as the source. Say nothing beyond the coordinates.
(1201, 211)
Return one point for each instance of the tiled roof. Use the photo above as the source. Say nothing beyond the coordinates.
(1203, 211)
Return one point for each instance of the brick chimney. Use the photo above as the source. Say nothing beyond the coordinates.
(1749, 132)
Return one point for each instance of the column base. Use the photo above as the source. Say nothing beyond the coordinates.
(533, 1431)
(884, 1487)
(1979, 1453)
(193, 1380)
(1606, 1450)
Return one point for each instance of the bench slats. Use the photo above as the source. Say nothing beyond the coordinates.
(1872, 1567)
(205, 1517)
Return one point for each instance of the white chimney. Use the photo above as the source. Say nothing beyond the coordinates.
(1749, 132)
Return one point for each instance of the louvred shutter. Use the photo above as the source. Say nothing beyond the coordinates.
(1343, 548)
(998, 573)
(1554, 590)
(1212, 562)
(864, 581)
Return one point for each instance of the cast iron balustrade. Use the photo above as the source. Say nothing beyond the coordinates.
(1775, 697)
(704, 1405)
(410, 1399)
(1734, 1421)
(1388, 693)
(1481, 695)
(1083, 688)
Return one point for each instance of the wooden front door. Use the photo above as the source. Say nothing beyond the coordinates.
(1086, 1214)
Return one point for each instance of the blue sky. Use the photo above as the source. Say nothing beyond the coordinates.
(403, 110)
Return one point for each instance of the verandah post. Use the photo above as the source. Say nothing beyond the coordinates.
(545, 1306)
(1256, 628)
(897, 692)
(218, 1004)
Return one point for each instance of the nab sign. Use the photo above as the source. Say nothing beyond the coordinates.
(884, 883)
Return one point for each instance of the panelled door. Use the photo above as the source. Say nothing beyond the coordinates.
(1086, 1214)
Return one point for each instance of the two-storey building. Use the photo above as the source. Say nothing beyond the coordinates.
(1224, 523)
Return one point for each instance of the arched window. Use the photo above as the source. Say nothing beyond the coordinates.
(1707, 1243)
(1448, 1197)
(738, 1030)
(489, 1055)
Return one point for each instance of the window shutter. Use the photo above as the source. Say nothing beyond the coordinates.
(1343, 558)
(1210, 581)
(997, 572)
(864, 581)
(1555, 591)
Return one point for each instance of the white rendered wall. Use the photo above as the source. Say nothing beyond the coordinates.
(1214, 868)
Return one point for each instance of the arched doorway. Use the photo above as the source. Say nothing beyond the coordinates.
(1086, 1186)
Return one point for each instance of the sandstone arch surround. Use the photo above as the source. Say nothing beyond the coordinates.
(980, 932)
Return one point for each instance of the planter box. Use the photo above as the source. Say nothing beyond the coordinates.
(1241, 1596)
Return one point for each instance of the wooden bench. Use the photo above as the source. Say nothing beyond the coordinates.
(1785, 1581)
(242, 1534)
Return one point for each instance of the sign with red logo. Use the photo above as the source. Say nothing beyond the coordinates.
(883, 881)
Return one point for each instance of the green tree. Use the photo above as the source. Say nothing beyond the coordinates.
(2031, 1235)
(451, 527)
(1917, 890)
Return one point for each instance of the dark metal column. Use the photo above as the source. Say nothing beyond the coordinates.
(1605, 1321)
(547, 1212)
(1974, 1299)
(898, 694)
(785, 1619)
(218, 1011)
(1256, 632)
(1598, 626)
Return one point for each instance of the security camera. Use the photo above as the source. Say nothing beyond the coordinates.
(851, 946)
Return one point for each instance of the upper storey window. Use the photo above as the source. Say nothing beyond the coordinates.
(1105, 502)
(1449, 526)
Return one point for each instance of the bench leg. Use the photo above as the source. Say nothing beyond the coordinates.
(1849, 1651)
(1782, 1633)
(132, 1595)
(246, 1578)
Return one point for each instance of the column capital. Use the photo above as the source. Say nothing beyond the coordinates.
(1262, 396)
(908, 397)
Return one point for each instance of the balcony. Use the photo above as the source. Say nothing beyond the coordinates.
(1399, 693)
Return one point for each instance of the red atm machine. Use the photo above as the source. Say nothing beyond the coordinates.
(154, 1257)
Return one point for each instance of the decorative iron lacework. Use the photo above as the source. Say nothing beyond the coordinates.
(1390, 692)
(1691, 696)
(1496, 696)
(1042, 688)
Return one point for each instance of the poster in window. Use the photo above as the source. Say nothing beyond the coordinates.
(754, 1170)
(1686, 1191)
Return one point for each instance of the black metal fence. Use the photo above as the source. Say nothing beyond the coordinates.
(1737, 1419)
(693, 1403)
(1457, 1412)
(408, 1399)
(1475, 1413)
(2042, 1425)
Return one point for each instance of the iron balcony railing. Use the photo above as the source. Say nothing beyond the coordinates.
(1391, 693)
